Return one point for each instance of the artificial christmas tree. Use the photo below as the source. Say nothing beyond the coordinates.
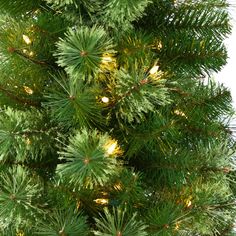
(110, 123)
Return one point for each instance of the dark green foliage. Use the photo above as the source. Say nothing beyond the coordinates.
(119, 223)
(135, 49)
(164, 218)
(61, 2)
(25, 136)
(120, 14)
(110, 122)
(73, 104)
(63, 222)
(17, 8)
(88, 5)
(207, 55)
(180, 27)
(133, 196)
(19, 200)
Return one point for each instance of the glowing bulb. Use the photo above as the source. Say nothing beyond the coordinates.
(28, 90)
(26, 39)
(159, 45)
(154, 70)
(180, 113)
(106, 59)
(177, 225)
(31, 53)
(111, 148)
(101, 201)
(188, 203)
(105, 99)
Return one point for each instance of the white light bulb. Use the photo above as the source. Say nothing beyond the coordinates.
(154, 70)
(26, 39)
(105, 99)
(111, 148)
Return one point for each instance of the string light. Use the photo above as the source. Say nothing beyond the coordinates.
(105, 99)
(101, 201)
(26, 39)
(180, 113)
(177, 225)
(159, 45)
(110, 147)
(28, 90)
(31, 54)
(188, 203)
(154, 70)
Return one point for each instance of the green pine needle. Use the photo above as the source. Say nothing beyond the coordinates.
(88, 160)
(136, 94)
(63, 222)
(19, 8)
(60, 2)
(119, 14)
(82, 49)
(24, 135)
(119, 223)
(18, 195)
(71, 104)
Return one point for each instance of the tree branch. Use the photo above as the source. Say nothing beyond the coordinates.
(19, 100)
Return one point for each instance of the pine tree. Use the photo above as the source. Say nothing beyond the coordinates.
(111, 123)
